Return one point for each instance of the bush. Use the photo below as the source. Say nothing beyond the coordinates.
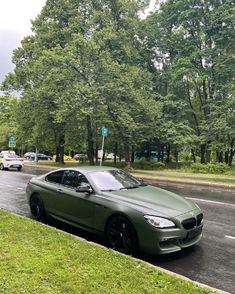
(210, 168)
(148, 165)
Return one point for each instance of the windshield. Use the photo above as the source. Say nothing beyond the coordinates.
(113, 180)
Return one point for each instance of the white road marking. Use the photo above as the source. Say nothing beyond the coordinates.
(210, 201)
(9, 186)
(20, 189)
(230, 237)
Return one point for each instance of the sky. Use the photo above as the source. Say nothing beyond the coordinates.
(15, 24)
(15, 17)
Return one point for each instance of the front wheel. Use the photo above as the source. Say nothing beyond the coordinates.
(2, 167)
(121, 235)
(19, 168)
(37, 207)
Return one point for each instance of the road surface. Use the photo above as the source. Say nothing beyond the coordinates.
(212, 262)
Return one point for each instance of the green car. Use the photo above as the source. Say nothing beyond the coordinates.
(131, 216)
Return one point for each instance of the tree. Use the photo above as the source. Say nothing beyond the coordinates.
(8, 125)
(191, 43)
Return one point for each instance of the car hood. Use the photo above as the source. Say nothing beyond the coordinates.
(153, 200)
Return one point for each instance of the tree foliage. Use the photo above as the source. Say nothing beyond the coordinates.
(165, 81)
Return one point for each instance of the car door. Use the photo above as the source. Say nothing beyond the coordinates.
(76, 207)
(50, 192)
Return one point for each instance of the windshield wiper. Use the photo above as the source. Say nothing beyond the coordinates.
(131, 187)
(108, 190)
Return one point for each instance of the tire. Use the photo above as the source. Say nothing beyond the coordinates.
(1, 167)
(19, 168)
(121, 235)
(36, 207)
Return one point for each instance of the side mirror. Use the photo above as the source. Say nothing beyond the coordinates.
(84, 188)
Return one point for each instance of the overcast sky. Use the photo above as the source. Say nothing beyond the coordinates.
(15, 17)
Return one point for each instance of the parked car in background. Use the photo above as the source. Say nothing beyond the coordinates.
(10, 160)
(66, 157)
(28, 155)
(80, 156)
(40, 156)
(128, 213)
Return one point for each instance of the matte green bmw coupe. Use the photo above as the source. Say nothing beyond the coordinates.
(129, 214)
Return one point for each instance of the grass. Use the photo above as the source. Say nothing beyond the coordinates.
(211, 180)
(36, 259)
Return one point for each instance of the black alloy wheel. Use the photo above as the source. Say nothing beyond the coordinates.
(37, 207)
(121, 235)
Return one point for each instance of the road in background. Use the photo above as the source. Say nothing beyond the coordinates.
(211, 262)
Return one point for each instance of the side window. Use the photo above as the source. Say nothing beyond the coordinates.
(55, 177)
(82, 180)
(70, 179)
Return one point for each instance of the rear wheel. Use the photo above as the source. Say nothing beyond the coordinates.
(19, 168)
(1, 167)
(37, 207)
(121, 235)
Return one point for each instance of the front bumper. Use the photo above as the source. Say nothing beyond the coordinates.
(162, 241)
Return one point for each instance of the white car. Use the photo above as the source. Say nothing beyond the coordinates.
(10, 160)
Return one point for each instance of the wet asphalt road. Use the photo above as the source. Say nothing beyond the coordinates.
(212, 262)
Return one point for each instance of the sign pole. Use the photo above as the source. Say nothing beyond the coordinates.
(104, 134)
(102, 151)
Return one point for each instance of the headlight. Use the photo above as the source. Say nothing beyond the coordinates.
(159, 222)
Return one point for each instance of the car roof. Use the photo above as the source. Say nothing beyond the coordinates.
(91, 168)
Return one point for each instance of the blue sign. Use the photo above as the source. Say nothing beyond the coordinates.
(12, 138)
(12, 144)
(104, 132)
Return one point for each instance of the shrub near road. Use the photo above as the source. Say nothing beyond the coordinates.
(35, 258)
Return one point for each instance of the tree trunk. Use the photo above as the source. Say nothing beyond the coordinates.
(208, 156)
(177, 157)
(148, 155)
(226, 155)
(96, 153)
(115, 153)
(162, 152)
(203, 153)
(132, 153)
(57, 157)
(220, 156)
(193, 155)
(168, 152)
(61, 145)
(90, 151)
(159, 151)
(231, 153)
(127, 154)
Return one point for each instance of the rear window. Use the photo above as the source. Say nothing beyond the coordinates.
(11, 156)
(55, 177)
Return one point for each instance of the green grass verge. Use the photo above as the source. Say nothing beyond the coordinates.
(192, 180)
(36, 259)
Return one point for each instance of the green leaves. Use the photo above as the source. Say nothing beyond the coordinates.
(165, 79)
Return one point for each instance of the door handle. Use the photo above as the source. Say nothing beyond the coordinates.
(59, 190)
(100, 205)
